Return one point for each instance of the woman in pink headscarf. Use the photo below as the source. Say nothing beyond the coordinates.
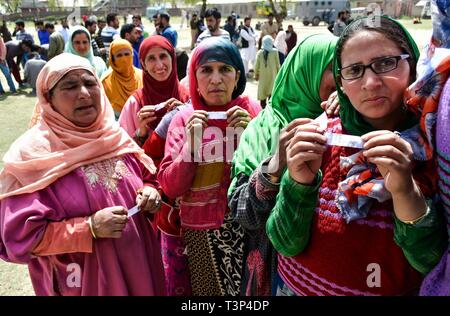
(66, 188)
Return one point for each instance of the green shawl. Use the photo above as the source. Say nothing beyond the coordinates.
(96, 62)
(351, 119)
(295, 95)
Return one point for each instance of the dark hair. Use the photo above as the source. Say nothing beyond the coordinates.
(89, 23)
(27, 43)
(213, 12)
(127, 28)
(247, 18)
(164, 15)
(49, 26)
(137, 16)
(390, 29)
(20, 23)
(79, 32)
(111, 17)
(101, 21)
(37, 23)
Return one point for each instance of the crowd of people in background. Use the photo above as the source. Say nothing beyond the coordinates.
(94, 38)
(155, 174)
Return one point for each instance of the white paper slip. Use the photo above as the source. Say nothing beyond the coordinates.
(133, 211)
(159, 106)
(220, 115)
(322, 120)
(344, 140)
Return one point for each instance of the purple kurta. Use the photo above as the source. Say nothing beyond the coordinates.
(130, 265)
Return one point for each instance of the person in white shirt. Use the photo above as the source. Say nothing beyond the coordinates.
(280, 44)
(248, 40)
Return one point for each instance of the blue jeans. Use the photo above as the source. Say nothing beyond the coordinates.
(5, 70)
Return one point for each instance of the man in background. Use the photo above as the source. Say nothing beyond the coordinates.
(129, 32)
(213, 17)
(56, 44)
(32, 68)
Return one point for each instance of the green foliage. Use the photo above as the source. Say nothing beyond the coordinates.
(13, 6)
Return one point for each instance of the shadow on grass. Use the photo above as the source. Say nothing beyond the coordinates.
(21, 92)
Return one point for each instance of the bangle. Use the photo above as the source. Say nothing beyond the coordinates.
(273, 179)
(418, 219)
(91, 225)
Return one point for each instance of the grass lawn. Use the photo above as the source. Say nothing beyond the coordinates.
(15, 112)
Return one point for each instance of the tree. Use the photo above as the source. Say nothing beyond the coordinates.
(52, 4)
(281, 13)
(12, 6)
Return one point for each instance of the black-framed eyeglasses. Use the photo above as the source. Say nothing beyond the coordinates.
(379, 66)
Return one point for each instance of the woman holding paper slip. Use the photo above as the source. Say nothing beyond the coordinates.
(254, 188)
(65, 190)
(360, 222)
(196, 165)
(161, 92)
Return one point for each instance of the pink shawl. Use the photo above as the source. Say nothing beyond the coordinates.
(55, 146)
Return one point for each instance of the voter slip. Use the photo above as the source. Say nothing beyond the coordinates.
(339, 139)
(133, 211)
(220, 115)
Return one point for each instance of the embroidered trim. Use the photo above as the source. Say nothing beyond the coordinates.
(107, 173)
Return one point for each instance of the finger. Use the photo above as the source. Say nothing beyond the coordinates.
(298, 122)
(333, 108)
(120, 218)
(385, 162)
(303, 157)
(242, 124)
(148, 108)
(306, 147)
(201, 112)
(389, 139)
(236, 114)
(337, 108)
(119, 210)
(323, 105)
(116, 234)
(309, 135)
(370, 135)
(199, 116)
(196, 126)
(231, 111)
(239, 119)
(119, 226)
(387, 151)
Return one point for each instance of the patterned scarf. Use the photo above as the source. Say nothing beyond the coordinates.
(364, 184)
(429, 97)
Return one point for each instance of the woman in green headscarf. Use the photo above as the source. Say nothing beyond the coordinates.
(80, 44)
(356, 217)
(304, 81)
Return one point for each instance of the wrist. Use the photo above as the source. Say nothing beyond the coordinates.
(275, 168)
(305, 180)
(91, 222)
(417, 219)
(142, 132)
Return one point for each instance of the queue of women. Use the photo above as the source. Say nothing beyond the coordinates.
(272, 208)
